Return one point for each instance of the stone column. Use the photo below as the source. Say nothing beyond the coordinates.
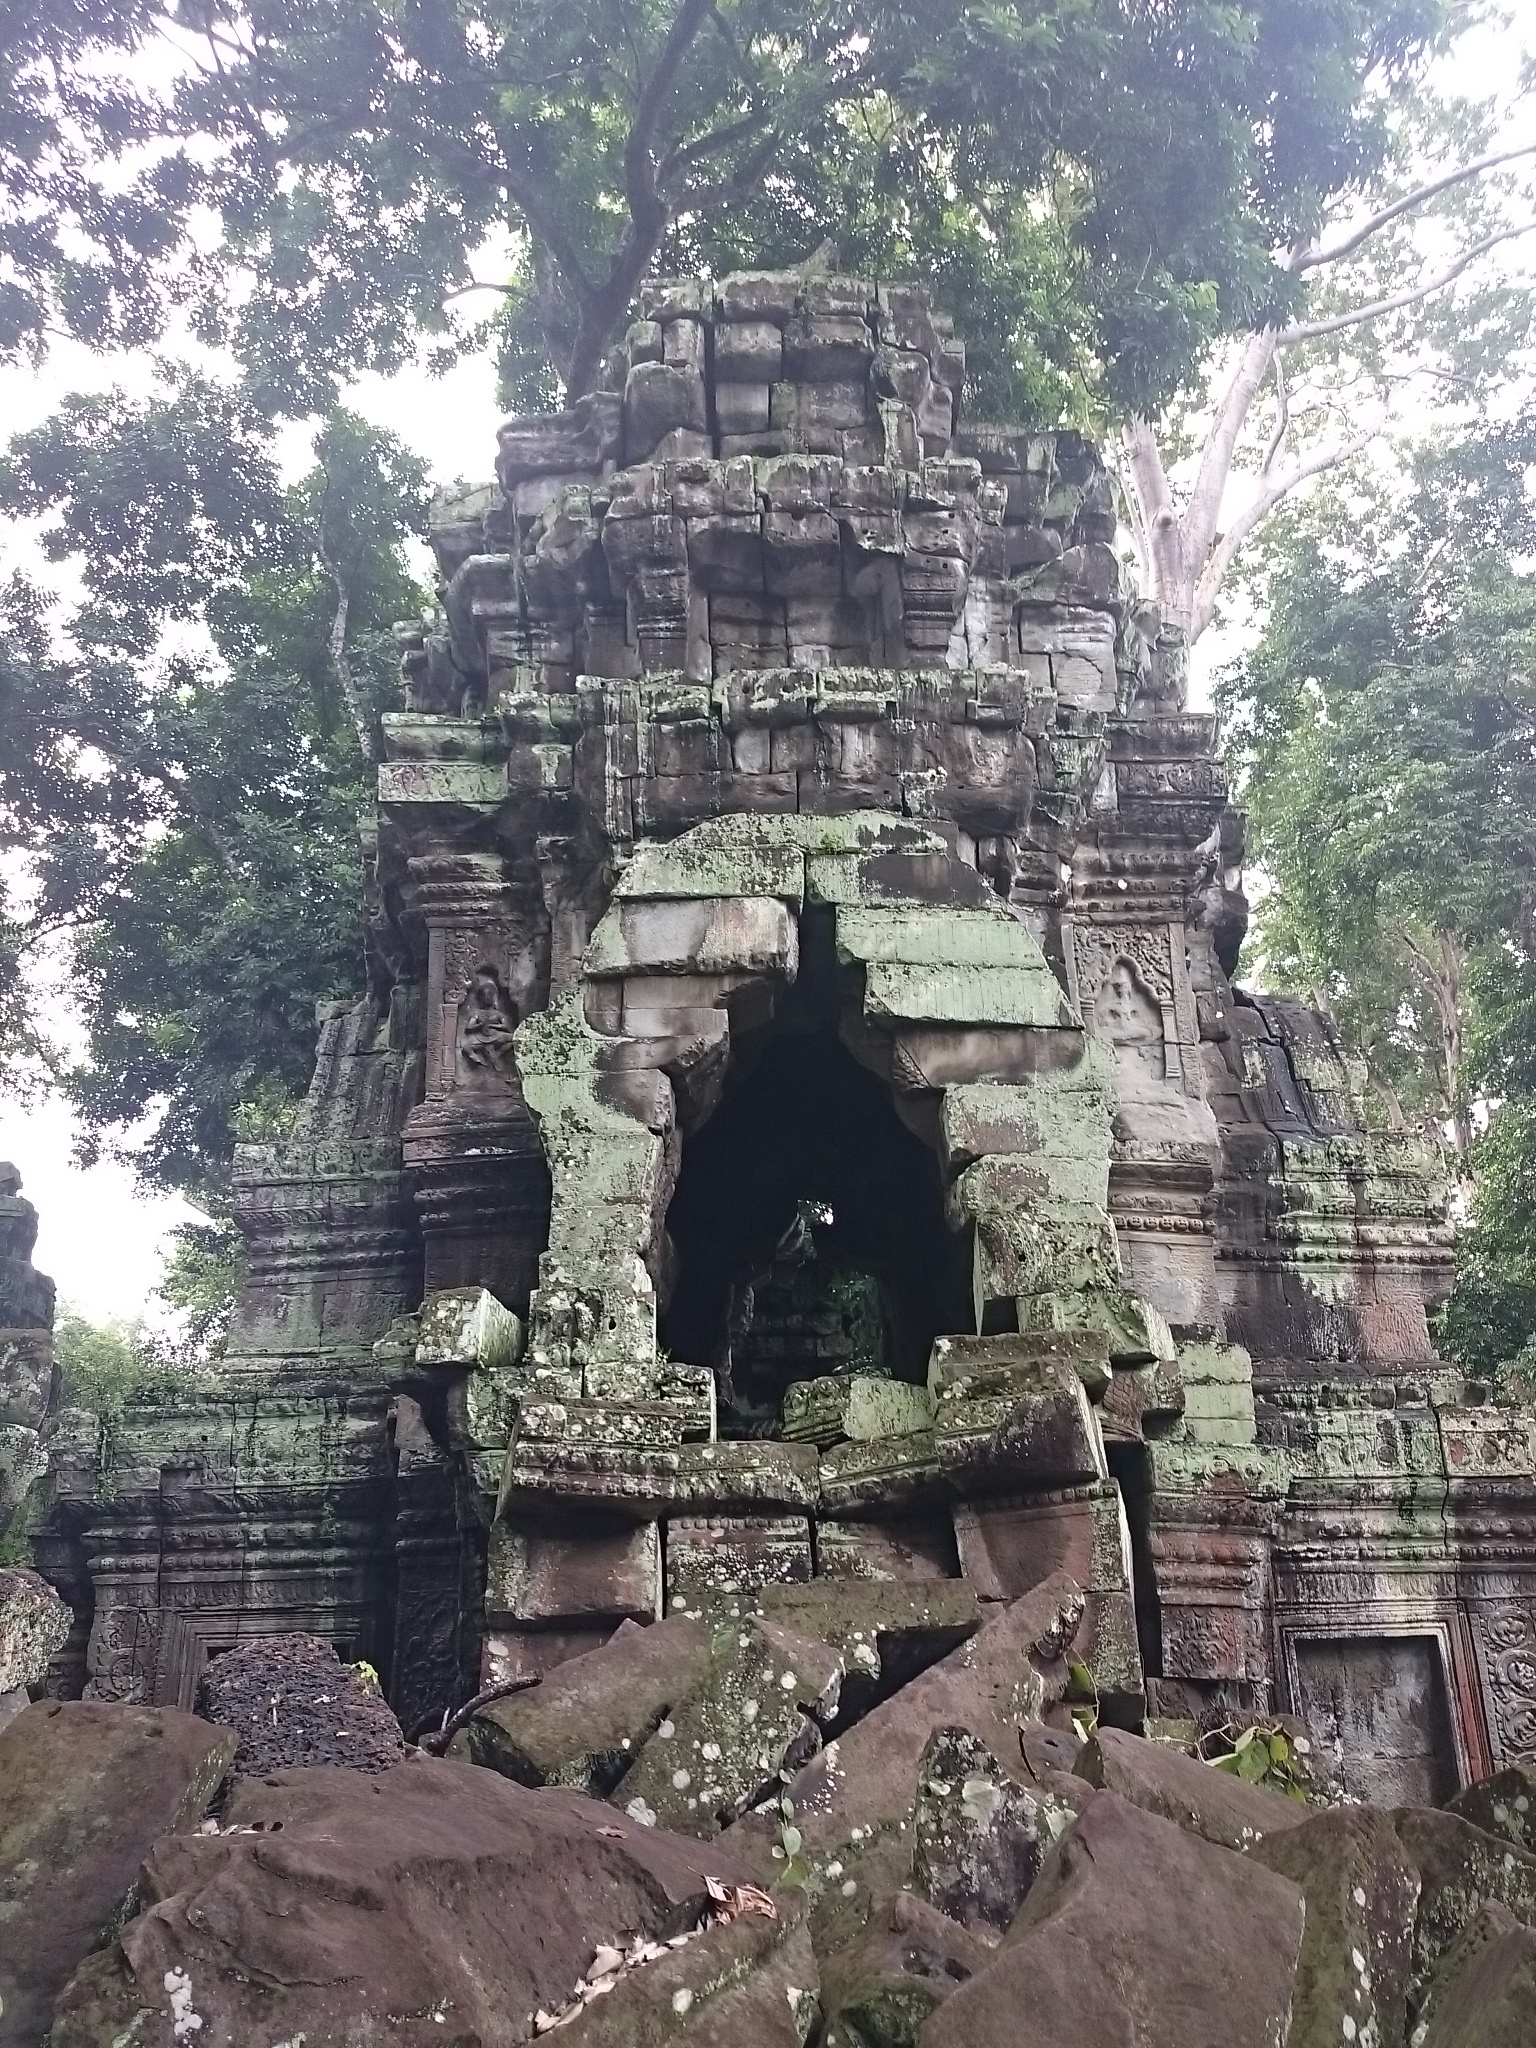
(482, 1189)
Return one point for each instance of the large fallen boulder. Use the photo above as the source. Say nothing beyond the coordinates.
(293, 1703)
(1503, 1805)
(888, 1967)
(430, 1903)
(1391, 1895)
(979, 1839)
(586, 1722)
(86, 1789)
(1362, 1894)
(1166, 1781)
(993, 1686)
(1137, 1934)
(750, 1984)
(1459, 1868)
(1484, 1995)
(782, 1669)
(34, 1622)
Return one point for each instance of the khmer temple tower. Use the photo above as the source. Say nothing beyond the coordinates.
(801, 1126)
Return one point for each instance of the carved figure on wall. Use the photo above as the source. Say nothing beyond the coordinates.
(487, 1021)
(1128, 1017)
(1126, 1013)
(1153, 1110)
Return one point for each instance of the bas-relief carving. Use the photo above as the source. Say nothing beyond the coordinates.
(486, 1023)
(124, 1651)
(489, 983)
(1157, 1109)
(1507, 1643)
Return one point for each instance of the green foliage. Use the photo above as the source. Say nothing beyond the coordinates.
(1386, 731)
(203, 1277)
(1102, 187)
(1260, 1755)
(1082, 1698)
(788, 1852)
(1489, 1322)
(103, 1366)
(81, 248)
(188, 805)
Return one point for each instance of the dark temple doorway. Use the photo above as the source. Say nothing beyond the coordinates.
(808, 1223)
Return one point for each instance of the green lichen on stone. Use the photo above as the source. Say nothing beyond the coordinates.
(752, 1716)
(961, 993)
(1138, 1333)
(926, 936)
(859, 1406)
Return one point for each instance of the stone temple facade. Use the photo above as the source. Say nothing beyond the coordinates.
(800, 1124)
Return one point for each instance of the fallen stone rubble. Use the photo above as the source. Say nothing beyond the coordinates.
(942, 1865)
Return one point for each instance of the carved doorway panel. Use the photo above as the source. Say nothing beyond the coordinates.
(1382, 1706)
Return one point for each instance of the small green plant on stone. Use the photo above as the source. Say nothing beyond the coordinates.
(368, 1675)
(1259, 1756)
(790, 1847)
(1082, 1699)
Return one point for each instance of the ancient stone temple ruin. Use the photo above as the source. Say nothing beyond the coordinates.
(801, 1130)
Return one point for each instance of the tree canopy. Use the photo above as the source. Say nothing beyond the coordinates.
(1385, 728)
(1128, 171)
(190, 806)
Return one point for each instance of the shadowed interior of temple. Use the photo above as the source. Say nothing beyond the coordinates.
(808, 1223)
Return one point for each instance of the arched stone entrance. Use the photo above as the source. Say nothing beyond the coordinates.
(620, 1491)
(809, 1231)
(941, 993)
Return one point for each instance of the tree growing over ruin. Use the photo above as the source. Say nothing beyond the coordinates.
(1400, 305)
(368, 166)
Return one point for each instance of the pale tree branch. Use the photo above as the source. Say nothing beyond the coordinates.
(1204, 507)
(1146, 470)
(1225, 547)
(1159, 530)
(336, 645)
(1314, 257)
(1442, 978)
(1282, 424)
(1298, 331)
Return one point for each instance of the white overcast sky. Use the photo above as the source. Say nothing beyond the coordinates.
(101, 1236)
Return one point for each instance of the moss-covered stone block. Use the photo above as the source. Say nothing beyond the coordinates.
(468, 1329)
(856, 1406)
(603, 1570)
(1361, 1891)
(886, 1632)
(1503, 1806)
(979, 1838)
(964, 994)
(754, 1715)
(1004, 1419)
(588, 1719)
(697, 936)
(1138, 1333)
(887, 1471)
(884, 1975)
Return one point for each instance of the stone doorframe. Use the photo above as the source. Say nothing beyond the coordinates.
(958, 1011)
